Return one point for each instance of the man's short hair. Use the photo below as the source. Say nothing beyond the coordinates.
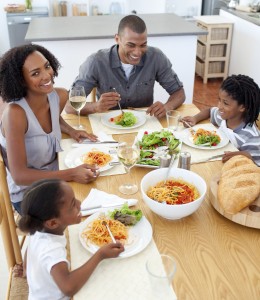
(132, 22)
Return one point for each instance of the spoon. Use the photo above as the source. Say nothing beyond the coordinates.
(114, 89)
(109, 231)
(170, 166)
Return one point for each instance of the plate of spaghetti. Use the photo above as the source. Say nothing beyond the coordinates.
(93, 155)
(93, 234)
(173, 191)
(130, 119)
(205, 136)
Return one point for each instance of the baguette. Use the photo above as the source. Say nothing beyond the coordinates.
(239, 184)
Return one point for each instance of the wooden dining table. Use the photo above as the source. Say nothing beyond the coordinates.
(216, 258)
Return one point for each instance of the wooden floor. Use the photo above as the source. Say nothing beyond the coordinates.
(205, 95)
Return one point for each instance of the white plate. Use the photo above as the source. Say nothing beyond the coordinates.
(73, 157)
(141, 119)
(139, 237)
(176, 162)
(188, 140)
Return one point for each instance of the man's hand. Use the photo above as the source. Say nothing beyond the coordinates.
(157, 109)
(107, 101)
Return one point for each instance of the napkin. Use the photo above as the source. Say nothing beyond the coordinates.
(102, 137)
(97, 197)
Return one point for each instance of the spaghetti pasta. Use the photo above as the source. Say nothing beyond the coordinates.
(97, 233)
(173, 191)
(96, 157)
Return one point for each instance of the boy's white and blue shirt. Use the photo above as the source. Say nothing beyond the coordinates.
(243, 138)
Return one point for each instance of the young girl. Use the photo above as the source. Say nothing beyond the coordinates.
(236, 115)
(31, 125)
(48, 207)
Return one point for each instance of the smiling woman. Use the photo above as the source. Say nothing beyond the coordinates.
(30, 131)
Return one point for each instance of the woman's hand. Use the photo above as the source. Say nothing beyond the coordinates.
(78, 135)
(85, 173)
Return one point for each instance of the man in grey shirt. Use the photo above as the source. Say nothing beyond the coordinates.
(127, 73)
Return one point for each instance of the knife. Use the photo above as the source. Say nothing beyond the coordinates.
(207, 159)
(102, 206)
(97, 142)
(93, 143)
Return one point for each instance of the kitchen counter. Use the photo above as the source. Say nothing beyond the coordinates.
(99, 27)
(244, 15)
(73, 39)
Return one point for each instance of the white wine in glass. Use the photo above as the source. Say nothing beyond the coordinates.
(128, 154)
(78, 99)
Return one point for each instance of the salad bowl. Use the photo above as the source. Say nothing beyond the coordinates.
(176, 211)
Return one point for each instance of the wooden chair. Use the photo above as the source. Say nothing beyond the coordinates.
(17, 288)
(92, 95)
(12, 243)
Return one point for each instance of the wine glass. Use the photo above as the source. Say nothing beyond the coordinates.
(128, 152)
(78, 99)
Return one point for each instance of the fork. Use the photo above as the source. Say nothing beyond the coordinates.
(191, 128)
(109, 231)
(119, 105)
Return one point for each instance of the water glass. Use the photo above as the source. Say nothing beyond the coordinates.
(173, 118)
(161, 269)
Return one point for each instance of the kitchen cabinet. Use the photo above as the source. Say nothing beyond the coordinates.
(213, 50)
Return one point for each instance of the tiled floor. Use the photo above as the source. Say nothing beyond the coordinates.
(205, 95)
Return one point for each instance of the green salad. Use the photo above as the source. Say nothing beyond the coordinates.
(126, 215)
(128, 119)
(153, 140)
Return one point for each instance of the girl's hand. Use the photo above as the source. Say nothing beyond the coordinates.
(190, 120)
(111, 250)
(78, 135)
(85, 173)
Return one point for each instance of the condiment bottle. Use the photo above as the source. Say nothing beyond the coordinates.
(63, 8)
(184, 160)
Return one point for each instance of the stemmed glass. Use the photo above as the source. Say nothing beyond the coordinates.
(78, 99)
(128, 152)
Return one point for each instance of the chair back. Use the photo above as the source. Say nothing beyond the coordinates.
(93, 95)
(8, 213)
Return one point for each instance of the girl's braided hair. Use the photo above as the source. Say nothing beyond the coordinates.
(246, 92)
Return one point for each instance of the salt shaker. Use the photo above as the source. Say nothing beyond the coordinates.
(165, 161)
(184, 160)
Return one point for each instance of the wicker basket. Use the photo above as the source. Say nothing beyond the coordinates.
(216, 33)
(215, 50)
(214, 67)
(15, 8)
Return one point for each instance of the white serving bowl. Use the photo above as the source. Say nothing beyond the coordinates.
(178, 211)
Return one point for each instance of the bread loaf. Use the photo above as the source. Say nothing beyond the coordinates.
(239, 184)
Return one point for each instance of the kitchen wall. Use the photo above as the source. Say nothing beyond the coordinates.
(180, 7)
(4, 38)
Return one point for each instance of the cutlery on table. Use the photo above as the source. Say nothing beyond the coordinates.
(207, 159)
(170, 166)
(102, 206)
(119, 105)
(88, 142)
(193, 131)
(109, 231)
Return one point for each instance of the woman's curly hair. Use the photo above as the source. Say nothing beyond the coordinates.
(12, 84)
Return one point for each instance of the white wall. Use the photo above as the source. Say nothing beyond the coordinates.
(244, 56)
